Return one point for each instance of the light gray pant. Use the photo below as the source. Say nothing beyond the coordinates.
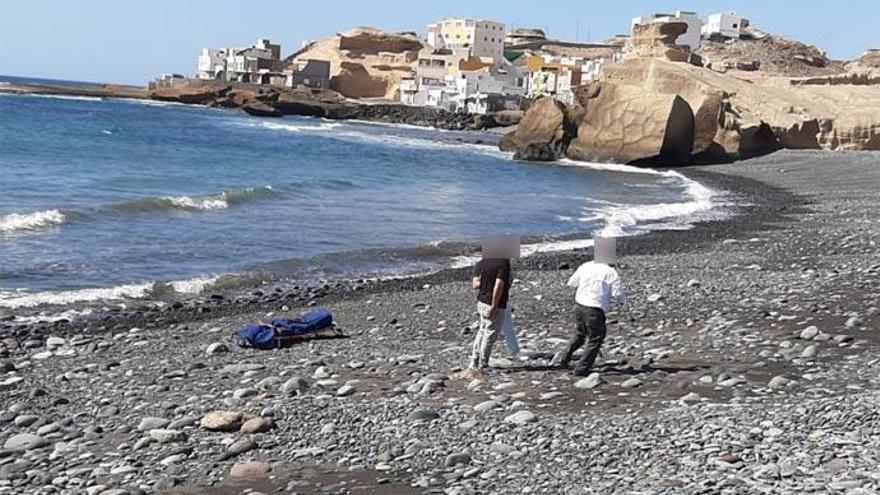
(490, 329)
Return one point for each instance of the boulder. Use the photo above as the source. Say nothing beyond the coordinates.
(260, 109)
(626, 124)
(543, 133)
(505, 118)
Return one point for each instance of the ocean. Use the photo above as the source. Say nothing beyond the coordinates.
(101, 198)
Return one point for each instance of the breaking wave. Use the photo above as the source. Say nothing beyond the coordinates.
(220, 201)
(16, 222)
(9, 299)
(620, 220)
(23, 222)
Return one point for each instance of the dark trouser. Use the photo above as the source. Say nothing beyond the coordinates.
(590, 329)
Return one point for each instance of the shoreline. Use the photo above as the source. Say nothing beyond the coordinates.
(273, 102)
(740, 342)
(261, 290)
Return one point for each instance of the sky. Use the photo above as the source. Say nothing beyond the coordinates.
(127, 41)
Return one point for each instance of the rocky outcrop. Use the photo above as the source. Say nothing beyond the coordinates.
(654, 111)
(657, 40)
(191, 96)
(543, 134)
(265, 101)
(769, 54)
(366, 62)
(260, 109)
(626, 124)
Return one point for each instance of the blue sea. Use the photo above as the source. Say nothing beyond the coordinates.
(99, 198)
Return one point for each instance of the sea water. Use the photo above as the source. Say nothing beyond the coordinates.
(99, 198)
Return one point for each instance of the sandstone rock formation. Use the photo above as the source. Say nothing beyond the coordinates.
(366, 62)
(653, 107)
(626, 124)
(657, 40)
(543, 133)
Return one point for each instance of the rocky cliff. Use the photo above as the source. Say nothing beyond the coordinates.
(652, 108)
(366, 62)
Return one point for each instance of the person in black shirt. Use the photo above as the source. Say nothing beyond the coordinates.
(491, 280)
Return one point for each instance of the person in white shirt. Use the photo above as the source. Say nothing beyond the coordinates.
(597, 283)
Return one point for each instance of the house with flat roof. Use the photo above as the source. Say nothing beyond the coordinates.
(481, 38)
(726, 25)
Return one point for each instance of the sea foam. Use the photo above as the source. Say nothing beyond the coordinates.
(15, 222)
(21, 299)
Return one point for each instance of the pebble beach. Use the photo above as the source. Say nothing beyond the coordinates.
(745, 362)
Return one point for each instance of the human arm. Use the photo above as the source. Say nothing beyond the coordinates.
(497, 294)
(575, 279)
(476, 273)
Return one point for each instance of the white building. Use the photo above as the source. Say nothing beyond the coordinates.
(728, 25)
(240, 64)
(212, 62)
(691, 37)
(487, 90)
(483, 39)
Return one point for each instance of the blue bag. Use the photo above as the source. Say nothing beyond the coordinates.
(267, 334)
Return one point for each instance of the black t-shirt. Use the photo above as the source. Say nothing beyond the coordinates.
(489, 270)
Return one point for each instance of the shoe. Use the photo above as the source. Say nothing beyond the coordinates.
(581, 373)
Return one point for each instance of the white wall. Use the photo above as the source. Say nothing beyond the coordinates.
(729, 25)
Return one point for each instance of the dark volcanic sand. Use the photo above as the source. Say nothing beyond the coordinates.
(716, 312)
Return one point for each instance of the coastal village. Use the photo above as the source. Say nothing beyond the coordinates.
(474, 66)
(677, 88)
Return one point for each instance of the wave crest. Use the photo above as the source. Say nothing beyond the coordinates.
(15, 222)
(220, 201)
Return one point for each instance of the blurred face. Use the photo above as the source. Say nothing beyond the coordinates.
(605, 250)
(501, 246)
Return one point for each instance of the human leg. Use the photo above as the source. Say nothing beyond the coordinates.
(577, 339)
(596, 331)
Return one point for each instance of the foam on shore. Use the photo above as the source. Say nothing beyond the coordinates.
(21, 299)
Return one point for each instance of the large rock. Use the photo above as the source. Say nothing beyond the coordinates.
(657, 40)
(543, 133)
(366, 62)
(627, 124)
(632, 113)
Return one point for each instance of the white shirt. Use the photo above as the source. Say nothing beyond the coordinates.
(596, 284)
